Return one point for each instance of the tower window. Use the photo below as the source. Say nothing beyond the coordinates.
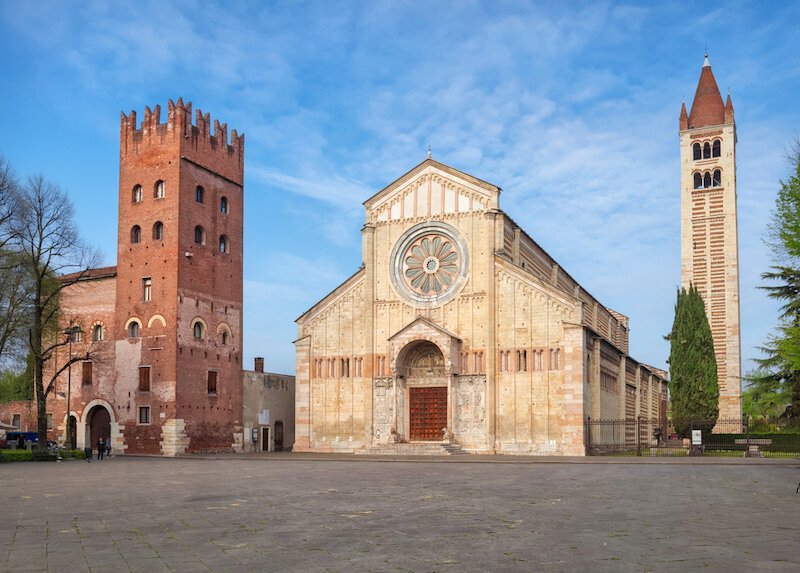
(198, 330)
(158, 190)
(199, 235)
(224, 338)
(707, 180)
(86, 374)
(97, 332)
(136, 234)
(144, 414)
(697, 152)
(223, 205)
(137, 194)
(716, 148)
(717, 178)
(223, 244)
(158, 231)
(199, 194)
(706, 150)
(212, 382)
(133, 329)
(698, 181)
(147, 289)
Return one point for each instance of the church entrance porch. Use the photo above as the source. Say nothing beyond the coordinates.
(427, 413)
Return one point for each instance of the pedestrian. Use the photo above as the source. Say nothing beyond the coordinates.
(108, 447)
(101, 446)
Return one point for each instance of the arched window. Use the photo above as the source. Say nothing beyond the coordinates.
(136, 195)
(223, 205)
(224, 338)
(199, 194)
(697, 151)
(716, 149)
(158, 231)
(717, 179)
(706, 150)
(158, 190)
(707, 180)
(133, 329)
(97, 332)
(197, 330)
(199, 235)
(698, 181)
(223, 244)
(136, 234)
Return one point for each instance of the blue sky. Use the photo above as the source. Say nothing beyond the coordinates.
(572, 108)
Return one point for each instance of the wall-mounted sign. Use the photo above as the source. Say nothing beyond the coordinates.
(263, 417)
(697, 438)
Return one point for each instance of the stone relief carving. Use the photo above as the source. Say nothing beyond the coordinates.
(470, 393)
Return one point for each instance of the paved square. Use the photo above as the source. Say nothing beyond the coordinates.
(294, 513)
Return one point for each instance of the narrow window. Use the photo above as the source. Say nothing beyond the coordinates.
(77, 334)
(199, 194)
(144, 378)
(133, 330)
(147, 289)
(223, 244)
(707, 180)
(144, 414)
(16, 421)
(136, 234)
(224, 338)
(223, 205)
(199, 235)
(86, 375)
(706, 150)
(697, 151)
(158, 231)
(49, 421)
(717, 178)
(97, 332)
(716, 149)
(197, 330)
(136, 195)
(158, 190)
(212, 383)
(698, 181)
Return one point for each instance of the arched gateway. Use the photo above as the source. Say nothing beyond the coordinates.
(421, 365)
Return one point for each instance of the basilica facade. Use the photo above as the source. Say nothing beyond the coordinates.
(459, 329)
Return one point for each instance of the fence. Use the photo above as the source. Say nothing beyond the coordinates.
(657, 437)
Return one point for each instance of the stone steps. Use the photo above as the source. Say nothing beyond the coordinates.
(413, 449)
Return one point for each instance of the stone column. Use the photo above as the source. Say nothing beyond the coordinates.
(368, 259)
(303, 398)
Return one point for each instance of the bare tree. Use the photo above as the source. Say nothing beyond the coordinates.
(52, 257)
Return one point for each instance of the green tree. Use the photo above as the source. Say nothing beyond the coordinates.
(694, 392)
(776, 380)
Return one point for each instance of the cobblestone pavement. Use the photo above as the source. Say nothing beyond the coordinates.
(290, 513)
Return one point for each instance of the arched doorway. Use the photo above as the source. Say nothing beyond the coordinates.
(98, 425)
(423, 368)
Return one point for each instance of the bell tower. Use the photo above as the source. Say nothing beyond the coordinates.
(709, 228)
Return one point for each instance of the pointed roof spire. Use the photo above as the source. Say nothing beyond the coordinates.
(729, 109)
(684, 119)
(429, 151)
(707, 107)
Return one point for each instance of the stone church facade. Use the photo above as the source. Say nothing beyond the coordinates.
(460, 328)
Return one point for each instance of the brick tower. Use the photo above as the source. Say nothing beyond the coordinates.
(178, 328)
(709, 235)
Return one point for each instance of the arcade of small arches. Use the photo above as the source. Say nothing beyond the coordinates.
(198, 328)
(707, 150)
(708, 179)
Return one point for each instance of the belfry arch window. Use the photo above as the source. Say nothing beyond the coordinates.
(136, 234)
(198, 330)
(698, 181)
(158, 190)
(223, 205)
(158, 231)
(133, 329)
(224, 246)
(706, 150)
(697, 151)
(136, 194)
(199, 194)
(716, 179)
(716, 148)
(707, 180)
(97, 332)
(199, 235)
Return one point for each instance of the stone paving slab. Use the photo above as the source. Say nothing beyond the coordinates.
(300, 513)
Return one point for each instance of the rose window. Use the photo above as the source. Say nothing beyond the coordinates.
(431, 264)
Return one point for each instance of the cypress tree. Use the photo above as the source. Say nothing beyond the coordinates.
(694, 392)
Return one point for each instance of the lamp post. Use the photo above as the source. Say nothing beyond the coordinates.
(70, 332)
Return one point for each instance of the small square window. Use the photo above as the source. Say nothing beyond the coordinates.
(144, 414)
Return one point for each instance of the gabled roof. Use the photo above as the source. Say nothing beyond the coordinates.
(421, 167)
(426, 322)
(89, 274)
(707, 107)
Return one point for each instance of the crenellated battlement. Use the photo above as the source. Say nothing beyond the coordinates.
(179, 130)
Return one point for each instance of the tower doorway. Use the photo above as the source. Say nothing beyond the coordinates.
(98, 426)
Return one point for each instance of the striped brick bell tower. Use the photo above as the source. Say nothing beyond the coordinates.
(709, 229)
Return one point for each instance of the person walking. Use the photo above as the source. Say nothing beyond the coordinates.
(108, 447)
(101, 446)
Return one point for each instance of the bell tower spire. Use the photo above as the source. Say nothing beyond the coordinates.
(709, 227)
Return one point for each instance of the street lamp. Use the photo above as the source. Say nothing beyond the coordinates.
(70, 332)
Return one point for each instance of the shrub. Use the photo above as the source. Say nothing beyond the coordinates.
(78, 454)
(17, 455)
(42, 455)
